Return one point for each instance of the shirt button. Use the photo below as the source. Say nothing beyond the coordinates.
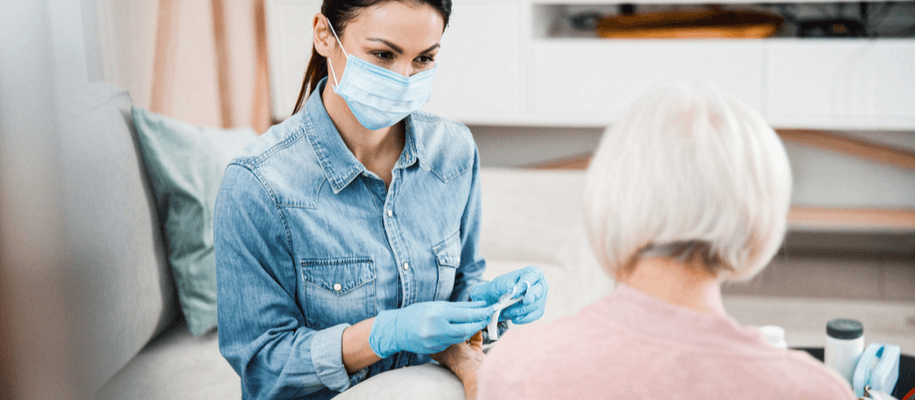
(406, 266)
(338, 287)
(390, 213)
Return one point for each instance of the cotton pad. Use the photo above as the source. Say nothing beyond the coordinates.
(504, 302)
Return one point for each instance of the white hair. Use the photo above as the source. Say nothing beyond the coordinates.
(689, 168)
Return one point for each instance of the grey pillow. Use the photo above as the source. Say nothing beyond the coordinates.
(185, 165)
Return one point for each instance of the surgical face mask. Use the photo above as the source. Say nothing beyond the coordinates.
(377, 96)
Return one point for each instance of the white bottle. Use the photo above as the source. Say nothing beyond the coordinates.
(844, 345)
(774, 335)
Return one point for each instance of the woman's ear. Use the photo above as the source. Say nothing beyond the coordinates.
(324, 39)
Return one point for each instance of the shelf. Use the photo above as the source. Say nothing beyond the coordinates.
(883, 19)
(851, 220)
(806, 218)
(614, 2)
(853, 147)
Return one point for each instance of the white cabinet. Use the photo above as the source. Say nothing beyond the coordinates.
(841, 84)
(479, 64)
(589, 82)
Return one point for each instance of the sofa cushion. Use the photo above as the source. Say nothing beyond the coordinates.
(176, 366)
(536, 217)
(421, 382)
(116, 245)
(186, 164)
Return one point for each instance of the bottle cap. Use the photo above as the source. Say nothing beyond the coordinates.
(773, 334)
(844, 329)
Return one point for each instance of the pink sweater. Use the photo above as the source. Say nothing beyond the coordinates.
(629, 345)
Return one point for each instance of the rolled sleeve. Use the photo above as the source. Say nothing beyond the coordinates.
(327, 358)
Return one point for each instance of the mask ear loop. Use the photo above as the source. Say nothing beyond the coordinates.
(329, 62)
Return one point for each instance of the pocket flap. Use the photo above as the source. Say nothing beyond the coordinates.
(449, 252)
(338, 275)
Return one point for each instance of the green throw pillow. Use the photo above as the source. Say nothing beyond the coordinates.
(185, 165)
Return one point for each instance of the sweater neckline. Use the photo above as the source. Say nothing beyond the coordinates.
(651, 317)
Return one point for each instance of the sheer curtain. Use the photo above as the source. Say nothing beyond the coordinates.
(203, 62)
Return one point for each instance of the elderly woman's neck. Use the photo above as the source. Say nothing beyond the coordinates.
(674, 282)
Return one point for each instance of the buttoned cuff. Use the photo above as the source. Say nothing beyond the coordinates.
(327, 358)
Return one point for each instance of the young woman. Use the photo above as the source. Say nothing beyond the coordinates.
(346, 237)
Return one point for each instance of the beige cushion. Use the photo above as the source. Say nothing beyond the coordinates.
(113, 231)
(176, 366)
(430, 381)
(533, 217)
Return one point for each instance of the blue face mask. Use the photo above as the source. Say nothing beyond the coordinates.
(377, 96)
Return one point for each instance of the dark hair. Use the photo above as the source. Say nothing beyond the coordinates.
(340, 13)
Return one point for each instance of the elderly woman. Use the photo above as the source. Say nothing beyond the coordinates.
(688, 189)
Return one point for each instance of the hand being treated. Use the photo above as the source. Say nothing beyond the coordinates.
(464, 359)
(426, 328)
(530, 308)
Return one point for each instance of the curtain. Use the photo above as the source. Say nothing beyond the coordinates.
(203, 62)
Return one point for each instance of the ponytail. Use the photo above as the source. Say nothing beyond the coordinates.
(317, 70)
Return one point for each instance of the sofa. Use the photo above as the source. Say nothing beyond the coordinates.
(137, 342)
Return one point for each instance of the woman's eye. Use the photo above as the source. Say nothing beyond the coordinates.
(425, 60)
(383, 55)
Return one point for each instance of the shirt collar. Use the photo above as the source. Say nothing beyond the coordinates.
(412, 148)
(339, 164)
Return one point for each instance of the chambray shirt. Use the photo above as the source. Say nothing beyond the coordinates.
(308, 242)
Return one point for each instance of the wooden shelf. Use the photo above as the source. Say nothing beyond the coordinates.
(852, 147)
(605, 2)
(822, 219)
(851, 220)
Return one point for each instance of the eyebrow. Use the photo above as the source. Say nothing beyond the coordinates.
(399, 50)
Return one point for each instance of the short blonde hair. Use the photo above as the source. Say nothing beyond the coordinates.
(689, 172)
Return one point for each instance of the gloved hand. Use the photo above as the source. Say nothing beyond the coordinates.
(530, 308)
(426, 328)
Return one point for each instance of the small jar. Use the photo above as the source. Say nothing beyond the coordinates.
(844, 345)
(774, 335)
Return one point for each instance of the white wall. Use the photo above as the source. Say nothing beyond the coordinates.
(507, 147)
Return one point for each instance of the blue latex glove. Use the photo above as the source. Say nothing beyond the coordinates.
(426, 328)
(528, 309)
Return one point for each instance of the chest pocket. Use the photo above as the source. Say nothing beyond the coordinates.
(338, 291)
(448, 259)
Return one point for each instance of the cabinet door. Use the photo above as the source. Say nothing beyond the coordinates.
(590, 81)
(842, 84)
(479, 70)
(289, 42)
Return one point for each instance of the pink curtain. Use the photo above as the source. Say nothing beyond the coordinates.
(210, 63)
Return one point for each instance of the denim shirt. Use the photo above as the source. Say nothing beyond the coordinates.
(308, 242)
